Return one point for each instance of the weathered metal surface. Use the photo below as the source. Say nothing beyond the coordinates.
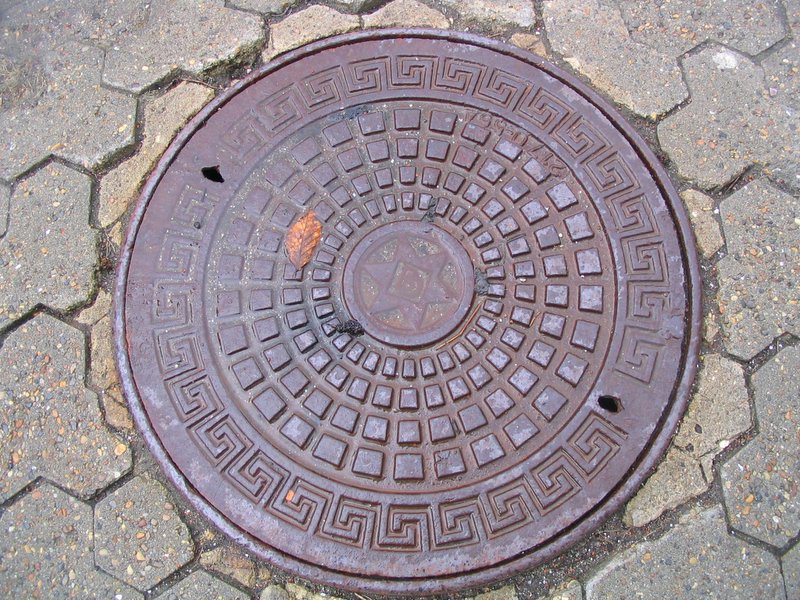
(488, 351)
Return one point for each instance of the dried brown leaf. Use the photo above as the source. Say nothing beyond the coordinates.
(302, 238)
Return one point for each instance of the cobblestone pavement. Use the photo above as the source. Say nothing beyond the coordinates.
(91, 93)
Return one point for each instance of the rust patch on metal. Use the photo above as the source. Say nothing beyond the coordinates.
(487, 350)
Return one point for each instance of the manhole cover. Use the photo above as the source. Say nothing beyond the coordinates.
(488, 350)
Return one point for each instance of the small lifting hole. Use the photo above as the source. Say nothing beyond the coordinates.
(610, 404)
(213, 174)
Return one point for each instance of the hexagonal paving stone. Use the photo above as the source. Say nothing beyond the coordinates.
(139, 537)
(494, 15)
(718, 412)
(46, 550)
(679, 25)
(695, 560)
(48, 255)
(188, 35)
(163, 118)
(760, 277)
(760, 482)
(740, 114)
(52, 99)
(51, 424)
(594, 40)
(202, 585)
(791, 572)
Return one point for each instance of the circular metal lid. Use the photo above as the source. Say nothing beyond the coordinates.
(487, 351)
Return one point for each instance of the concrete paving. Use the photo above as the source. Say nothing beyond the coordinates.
(91, 93)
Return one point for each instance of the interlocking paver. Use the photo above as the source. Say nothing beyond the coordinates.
(69, 114)
(760, 277)
(678, 478)
(48, 255)
(696, 559)
(139, 536)
(234, 563)
(718, 412)
(494, 15)
(202, 585)
(182, 35)
(46, 550)
(679, 25)
(791, 572)
(312, 23)
(163, 118)
(51, 424)
(594, 40)
(738, 116)
(406, 13)
(706, 229)
(760, 482)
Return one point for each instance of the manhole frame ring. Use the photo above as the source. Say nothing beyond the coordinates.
(546, 551)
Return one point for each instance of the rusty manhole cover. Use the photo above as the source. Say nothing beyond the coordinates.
(488, 351)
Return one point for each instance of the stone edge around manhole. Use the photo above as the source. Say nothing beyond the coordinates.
(459, 581)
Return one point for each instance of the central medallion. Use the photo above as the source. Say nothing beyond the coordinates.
(409, 283)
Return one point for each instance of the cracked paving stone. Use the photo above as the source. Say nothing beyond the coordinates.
(759, 279)
(139, 537)
(680, 25)
(313, 23)
(47, 550)
(697, 559)
(494, 15)
(760, 482)
(163, 118)
(706, 229)
(718, 412)
(66, 112)
(266, 7)
(202, 585)
(736, 118)
(679, 478)
(594, 40)
(530, 42)
(182, 35)
(50, 424)
(791, 571)
(103, 366)
(406, 13)
(49, 253)
(232, 562)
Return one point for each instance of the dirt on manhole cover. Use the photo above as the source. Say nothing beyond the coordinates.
(487, 352)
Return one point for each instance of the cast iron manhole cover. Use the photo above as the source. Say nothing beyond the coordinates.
(488, 350)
